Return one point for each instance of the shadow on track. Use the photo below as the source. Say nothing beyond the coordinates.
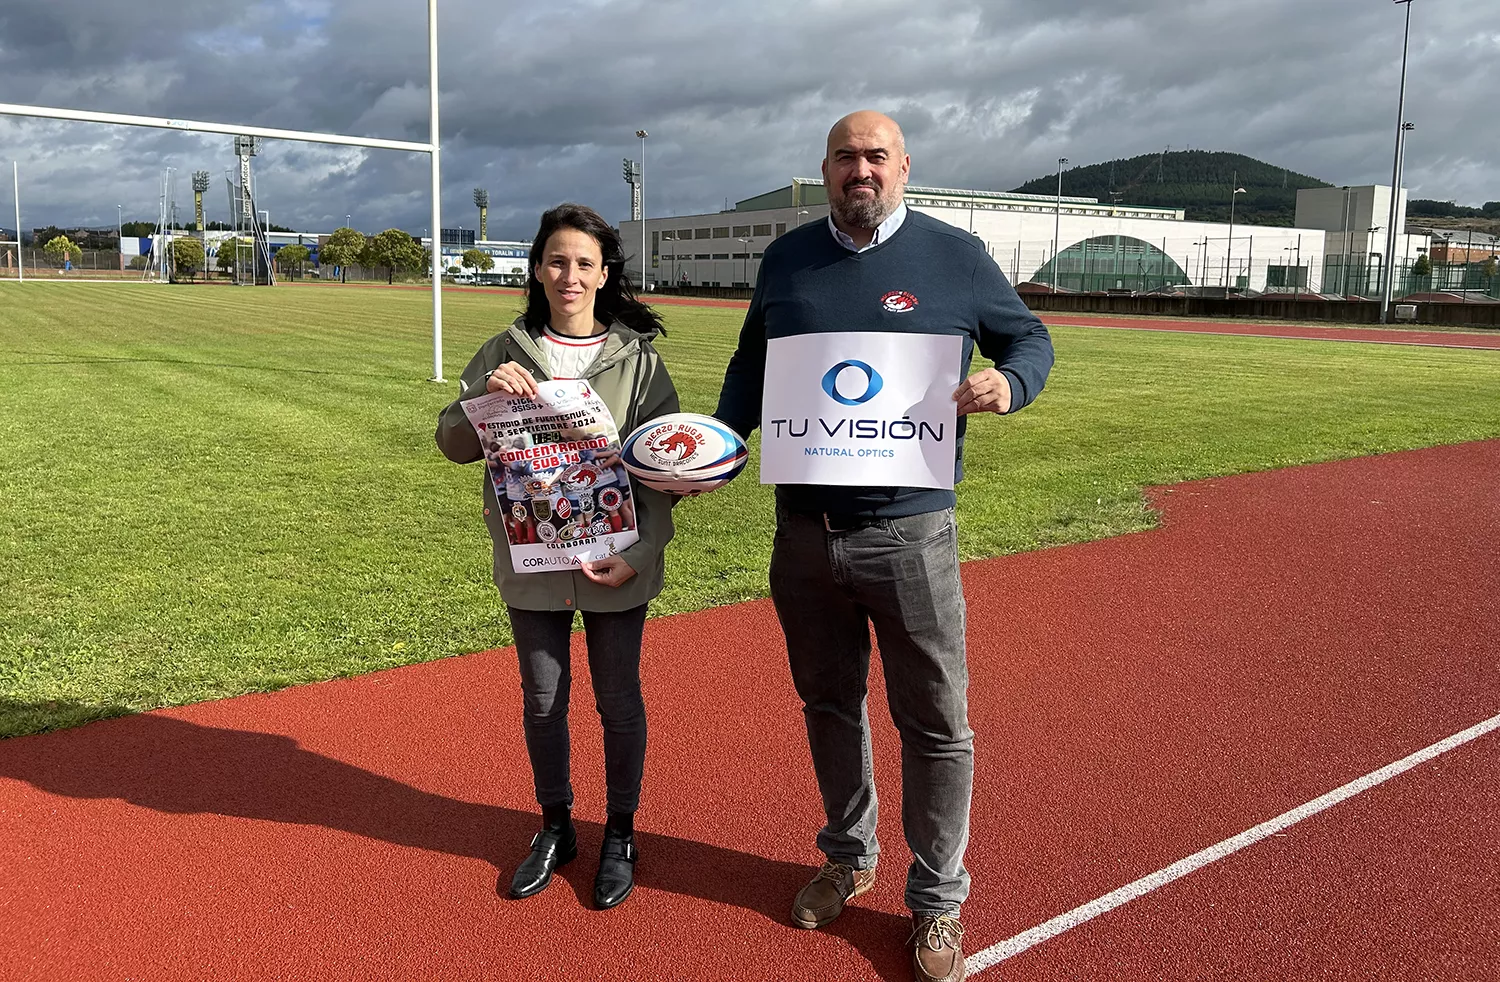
(178, 767)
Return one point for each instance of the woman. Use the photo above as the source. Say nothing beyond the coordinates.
(582, 320)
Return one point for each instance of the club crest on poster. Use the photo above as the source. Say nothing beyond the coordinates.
(554, 462)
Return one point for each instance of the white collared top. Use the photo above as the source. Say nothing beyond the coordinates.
(885, 231)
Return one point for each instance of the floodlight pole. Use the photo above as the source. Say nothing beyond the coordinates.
(1389, 277)
(644, 258)
(437, 195)
(1057, 224)
(1234, 191)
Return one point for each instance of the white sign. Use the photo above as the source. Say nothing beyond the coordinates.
(861, 408)
(555, 464)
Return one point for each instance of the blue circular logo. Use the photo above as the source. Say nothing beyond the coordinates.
(873, 383)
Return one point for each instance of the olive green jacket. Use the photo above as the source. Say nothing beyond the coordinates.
(631, 378)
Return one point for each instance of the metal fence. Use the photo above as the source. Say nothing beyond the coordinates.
(1094, 267)
(92, 263)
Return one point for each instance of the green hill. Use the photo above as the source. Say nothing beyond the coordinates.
(1197, 181)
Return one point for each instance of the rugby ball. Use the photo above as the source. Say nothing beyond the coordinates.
(684, 454)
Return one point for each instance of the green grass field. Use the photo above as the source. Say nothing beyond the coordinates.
(209, 491)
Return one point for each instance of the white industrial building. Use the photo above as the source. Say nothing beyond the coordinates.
(1102, 246)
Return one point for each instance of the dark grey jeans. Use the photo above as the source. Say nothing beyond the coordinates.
(902, 576)
(614, 645)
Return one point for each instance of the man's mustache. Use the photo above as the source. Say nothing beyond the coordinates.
(861, 184)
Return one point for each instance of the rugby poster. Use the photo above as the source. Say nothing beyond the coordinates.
(861, 408)
(555, 465)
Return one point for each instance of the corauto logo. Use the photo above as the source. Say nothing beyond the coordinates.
(873, 383)
(898, 301)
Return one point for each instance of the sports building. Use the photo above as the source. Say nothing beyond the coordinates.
(1067, 243)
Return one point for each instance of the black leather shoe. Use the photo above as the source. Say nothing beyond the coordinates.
(616, 876)
(550, 848)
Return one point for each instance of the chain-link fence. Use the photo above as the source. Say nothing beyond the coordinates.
(1124, 265)
(89, 263)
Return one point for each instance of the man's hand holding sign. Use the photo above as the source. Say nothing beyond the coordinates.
(984, 392)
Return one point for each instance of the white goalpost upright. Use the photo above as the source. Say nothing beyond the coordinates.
(229, 129)
(15, 174)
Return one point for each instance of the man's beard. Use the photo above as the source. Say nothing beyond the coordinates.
(865, 212)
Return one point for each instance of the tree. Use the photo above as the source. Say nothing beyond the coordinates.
(139, 262)
(293, 256)
(228, 251)
(1422, 267)
(343, 249)
(394, 250)
(137, 229)
(1491, 267)
(187, 255)
(60, 249)
(1490, 209)
(477, 259)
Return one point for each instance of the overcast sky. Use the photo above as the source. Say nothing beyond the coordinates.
(540, 100)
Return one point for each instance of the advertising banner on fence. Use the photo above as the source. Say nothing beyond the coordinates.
(555, 464)
(861, 408)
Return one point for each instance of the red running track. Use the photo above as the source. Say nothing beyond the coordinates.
(1298, 332)
(1136, 700)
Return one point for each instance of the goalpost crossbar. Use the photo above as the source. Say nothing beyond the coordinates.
(431, 148)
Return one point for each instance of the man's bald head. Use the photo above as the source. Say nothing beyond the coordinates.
(865, 170)
(870, 127)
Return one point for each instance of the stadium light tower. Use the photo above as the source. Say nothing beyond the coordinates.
(482, 201)
(1229, 256)
(200, 184)
(1057, 223)
(641, 135)
(1402, 126)
(632, 172)
(119, 234)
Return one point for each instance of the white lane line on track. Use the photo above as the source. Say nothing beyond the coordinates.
(1285, 337)
(1011, 947)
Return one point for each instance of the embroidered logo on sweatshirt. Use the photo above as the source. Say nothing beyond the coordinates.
(898, 301)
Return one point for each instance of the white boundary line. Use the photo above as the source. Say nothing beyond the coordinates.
(1283, 337)
(999, 952)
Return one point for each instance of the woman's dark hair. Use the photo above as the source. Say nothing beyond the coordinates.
(616, 299)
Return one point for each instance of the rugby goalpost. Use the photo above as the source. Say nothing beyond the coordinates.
(431, 148)
(15, 173)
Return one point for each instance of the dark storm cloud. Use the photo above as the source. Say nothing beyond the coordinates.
(540, 101)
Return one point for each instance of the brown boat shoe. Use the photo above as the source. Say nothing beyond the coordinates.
(823, 899)
(938, 955)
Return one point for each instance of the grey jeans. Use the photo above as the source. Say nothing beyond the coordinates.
(614, 645)
(902, 576)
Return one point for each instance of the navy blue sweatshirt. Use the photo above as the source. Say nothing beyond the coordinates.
(809, 283)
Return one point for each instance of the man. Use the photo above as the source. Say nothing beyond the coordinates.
(846, 557)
